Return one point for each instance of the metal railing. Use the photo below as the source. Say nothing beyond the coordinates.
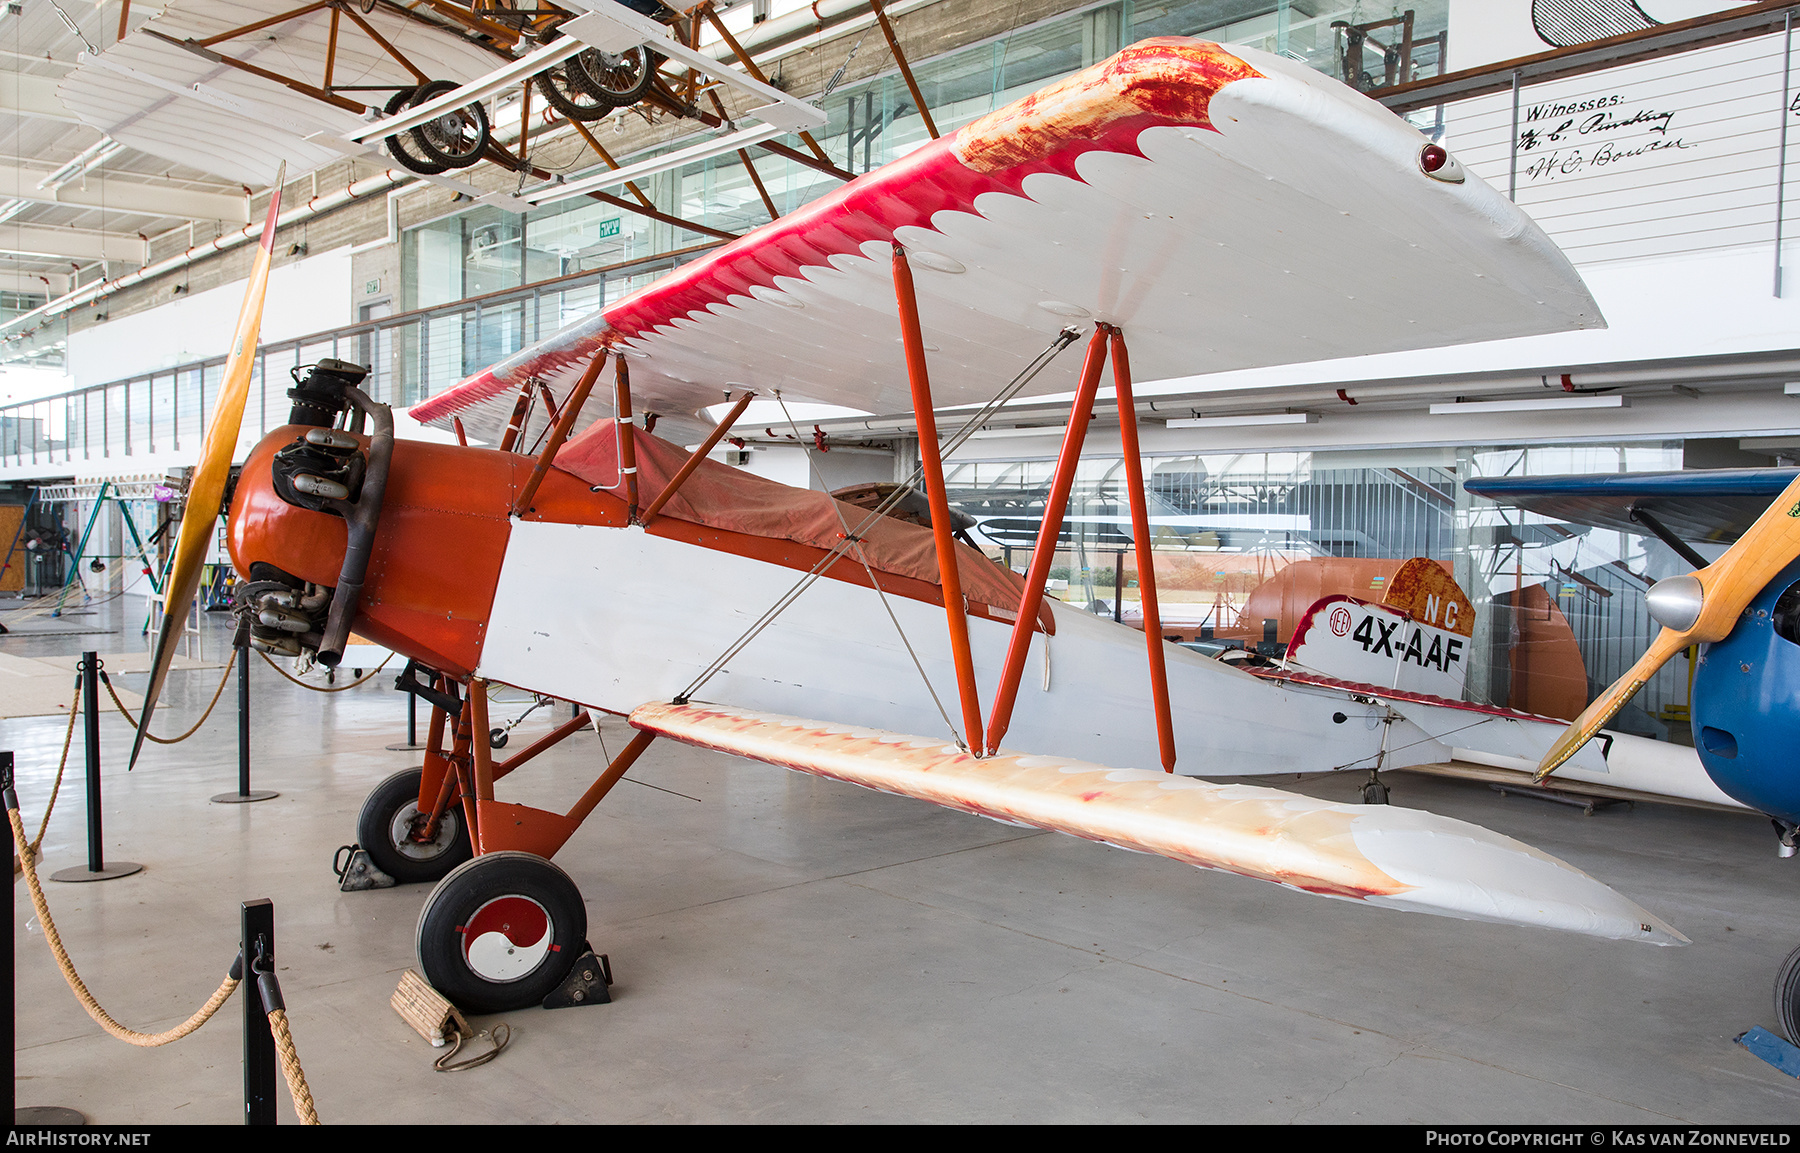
(411, 356)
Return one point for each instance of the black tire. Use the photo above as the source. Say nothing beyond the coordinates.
(571, 97)
(496, 738)
(455, 139)
(385, 820)
(400, 145)
(1787, 997)
(619, 81)
(501, 932)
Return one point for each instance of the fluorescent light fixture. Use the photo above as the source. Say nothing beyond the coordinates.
(1791, 388)
(1536, 404)
(1005, 433)
(1236, 421)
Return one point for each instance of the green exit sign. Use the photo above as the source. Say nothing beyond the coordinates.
(608, 229)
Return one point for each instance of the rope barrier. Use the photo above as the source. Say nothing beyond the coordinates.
(316, 688)
(76, 985)
(56, 788)
(278, 1022)
(126, 713)
(290, 1068)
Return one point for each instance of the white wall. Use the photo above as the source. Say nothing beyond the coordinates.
(307, 296)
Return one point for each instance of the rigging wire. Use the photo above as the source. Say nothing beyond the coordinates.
(1035, 366)
(854, 540)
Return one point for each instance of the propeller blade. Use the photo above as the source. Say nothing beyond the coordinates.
(1715, 596)
(207, 491)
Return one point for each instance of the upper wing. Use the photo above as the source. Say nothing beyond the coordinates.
(1715, 504)
(1226, 208)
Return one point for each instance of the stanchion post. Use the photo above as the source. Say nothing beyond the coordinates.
(90, 731)
(412, 723)
(244, 793)
(96, 866)
(258, 944)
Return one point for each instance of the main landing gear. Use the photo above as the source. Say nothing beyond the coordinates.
(501, 932)
(394, 832)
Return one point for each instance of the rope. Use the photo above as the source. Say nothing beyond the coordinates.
(290, 1068)
(278, 1023)
(500, 1036)
(129, 1036)
(316, 688)
(56, 788)
(126, 713)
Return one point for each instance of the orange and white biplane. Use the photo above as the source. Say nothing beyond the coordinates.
(1183, 208)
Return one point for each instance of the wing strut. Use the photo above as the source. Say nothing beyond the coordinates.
(1051, 529)
(694, 458)
(933, 465)
(564, 421)
(1140, 535)
(1054, 506)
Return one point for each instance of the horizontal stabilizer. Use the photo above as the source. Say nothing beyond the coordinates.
(1401, 858)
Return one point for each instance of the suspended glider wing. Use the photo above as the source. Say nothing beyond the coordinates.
(1401, 858)
(1226, 207)
(1715, 504)
(163, 90)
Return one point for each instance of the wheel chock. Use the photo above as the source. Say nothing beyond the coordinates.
(585, 985)
(359, 872)
(1773, 1049)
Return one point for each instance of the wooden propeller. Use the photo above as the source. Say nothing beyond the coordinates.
(1713, 598)
(207, 490)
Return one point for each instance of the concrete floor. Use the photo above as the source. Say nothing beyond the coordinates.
(789, 949)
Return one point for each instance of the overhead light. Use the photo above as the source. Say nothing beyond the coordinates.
(1005, 433)
(1536, 404)
(1791, 388)
(1249, 418)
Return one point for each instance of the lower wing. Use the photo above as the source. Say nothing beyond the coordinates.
(1401, 858)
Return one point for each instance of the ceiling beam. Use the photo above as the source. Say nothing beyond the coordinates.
(58, 283)
(73, 243)
(119, 195)
(33, 96)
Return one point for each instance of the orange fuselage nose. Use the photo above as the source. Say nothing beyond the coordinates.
(438, 548)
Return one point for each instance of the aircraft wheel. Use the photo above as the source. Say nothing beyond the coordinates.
(400, 145)
(501, 932)
(1374, 793)
(570, 97)
(455, 139)
(620, 80)
(385, 828)
(1787, 996)
(496, 738)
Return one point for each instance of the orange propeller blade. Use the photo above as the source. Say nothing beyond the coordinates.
(1723, 590)
(207, 491)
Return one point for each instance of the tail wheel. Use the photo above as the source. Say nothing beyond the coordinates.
(620, 80)
(501, 932)
(570, 97)
(389, 828)
(1787, 996)
(400, 145)
(455, 138)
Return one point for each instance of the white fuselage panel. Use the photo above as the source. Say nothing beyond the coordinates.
(616, 618)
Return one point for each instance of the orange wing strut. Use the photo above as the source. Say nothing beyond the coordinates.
(695, 457)
(627, 434)
(1045, 551)
(1140, 535)
(929, 459)
(565, 420)
(516, 426)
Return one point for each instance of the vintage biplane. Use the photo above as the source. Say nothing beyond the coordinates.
(1183, 207)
